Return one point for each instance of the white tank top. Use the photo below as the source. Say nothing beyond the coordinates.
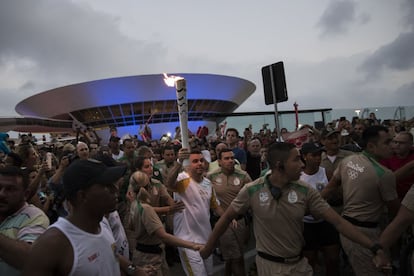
(92, 254)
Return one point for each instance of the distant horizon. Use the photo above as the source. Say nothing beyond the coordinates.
(288, 120)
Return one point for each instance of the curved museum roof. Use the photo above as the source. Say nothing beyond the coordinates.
(131, 100)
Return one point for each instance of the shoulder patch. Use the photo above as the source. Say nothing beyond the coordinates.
(213, 174)
(240, 174)
(155, 182)
(256, 186)
(300, 188)
(377, 167)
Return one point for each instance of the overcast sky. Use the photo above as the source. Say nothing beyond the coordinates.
(337, 54)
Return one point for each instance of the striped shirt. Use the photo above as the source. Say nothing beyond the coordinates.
(25, 225)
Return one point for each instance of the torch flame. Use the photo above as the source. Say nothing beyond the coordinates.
(170, 80)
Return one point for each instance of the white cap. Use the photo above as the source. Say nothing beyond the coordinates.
(206, 155)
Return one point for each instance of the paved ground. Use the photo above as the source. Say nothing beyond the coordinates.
(249, 255)
(176, 269)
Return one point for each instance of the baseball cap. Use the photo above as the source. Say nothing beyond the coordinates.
(326, 132)
(69, 147)
(82, 174)
(114, 139)
(59, 145)
(206, 155)
(311, 148)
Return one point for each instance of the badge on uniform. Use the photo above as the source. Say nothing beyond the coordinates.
(218, 180)
(264, 197)
(352, 174)
(292, 197)
(236, 182)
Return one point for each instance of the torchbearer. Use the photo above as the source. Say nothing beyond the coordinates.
(181, 92)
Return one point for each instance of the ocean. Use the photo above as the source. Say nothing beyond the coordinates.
(288, 120)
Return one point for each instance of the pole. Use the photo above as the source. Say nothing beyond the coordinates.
(272, 81)
(295, 105)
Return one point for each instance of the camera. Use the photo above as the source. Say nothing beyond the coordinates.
(69, 155)
(42, 197)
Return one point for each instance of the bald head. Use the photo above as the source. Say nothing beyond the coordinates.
(220, 147)
(82, 150)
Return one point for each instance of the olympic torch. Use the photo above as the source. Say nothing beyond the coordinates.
(181, 93)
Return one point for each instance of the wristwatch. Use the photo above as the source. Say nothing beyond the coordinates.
(131, 269)
(374, 249)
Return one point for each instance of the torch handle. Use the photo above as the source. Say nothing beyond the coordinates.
(181, 89)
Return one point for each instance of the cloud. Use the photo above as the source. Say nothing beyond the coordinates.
(332, 83)
(405, 91)
(67, 42)
(48, 44)
(408, 7)
(68, 35)
(396, 55)
(339, 17)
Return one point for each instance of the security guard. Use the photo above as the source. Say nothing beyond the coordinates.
(227, 181)
(278, 202)
(367, 188)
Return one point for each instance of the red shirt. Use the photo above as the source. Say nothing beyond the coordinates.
(394, 163)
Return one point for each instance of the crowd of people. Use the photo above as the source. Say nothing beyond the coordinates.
(133, 207)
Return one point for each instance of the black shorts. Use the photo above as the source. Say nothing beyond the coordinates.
(319, 234)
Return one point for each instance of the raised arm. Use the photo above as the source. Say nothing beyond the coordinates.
(55, 179)
(171, 181)
(34, 185)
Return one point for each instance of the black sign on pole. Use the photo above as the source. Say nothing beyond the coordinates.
(274, 83)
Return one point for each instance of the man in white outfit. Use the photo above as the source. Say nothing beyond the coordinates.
(193, 223)
(82, 244)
